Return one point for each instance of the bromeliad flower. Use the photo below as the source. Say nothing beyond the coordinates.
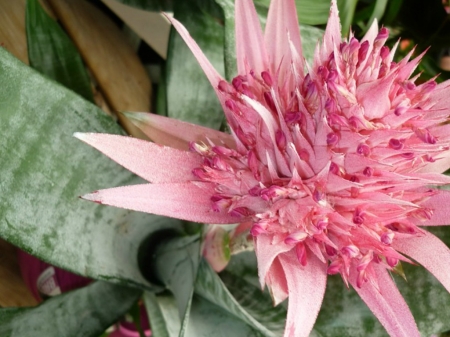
(331, 165)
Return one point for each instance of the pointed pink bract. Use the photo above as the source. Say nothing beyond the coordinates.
(187, 201)
(430, 252)
(175, 133)
(250, 49)
(387, 304)
(282, 31)
(147, 160)
(213, 76)
(306, 290)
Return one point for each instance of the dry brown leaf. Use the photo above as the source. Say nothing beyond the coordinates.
(12, 28)
(13, 291)
(118, 71)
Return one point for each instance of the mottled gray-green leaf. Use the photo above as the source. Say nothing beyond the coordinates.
(86, 312)
(205, 319)
(208, 320)
(229, 38)
(256, 303)
(44, 170)
(210, 286)
(160, 323)
(53, 53)
(176, 265)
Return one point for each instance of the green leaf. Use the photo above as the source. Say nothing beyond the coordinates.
(208, 320)
(313, 12)
(205, 320)
(45, 169)
(378, 11)
(190, 96)
(161, 324)
(346, 13)
(51, 51)
(229, 38)
(310, 37)
(176, 264)
(210, 286)
(257, 303)
(86, 312)
(392, 11)
(310, 12)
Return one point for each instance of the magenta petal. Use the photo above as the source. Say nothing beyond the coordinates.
(387, 304)
(430, 252)
(250, 49)
(439, 203)
(281, 30)
(187, 201)
(175, 133)
(153, 162)
(306, 290)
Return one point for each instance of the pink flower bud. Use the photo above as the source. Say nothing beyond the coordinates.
(351, 251)
(302, 257)
(395, 144)
(332, 139)
(295, 238)
(335, 267)
(386, 238)
(267, 78)
(363, 150)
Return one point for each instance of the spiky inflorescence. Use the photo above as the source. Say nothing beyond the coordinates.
(328, 163)
(331, 166)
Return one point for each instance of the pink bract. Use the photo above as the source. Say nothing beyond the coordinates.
(335, 164)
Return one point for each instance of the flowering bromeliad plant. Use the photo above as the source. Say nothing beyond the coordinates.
(332, 166)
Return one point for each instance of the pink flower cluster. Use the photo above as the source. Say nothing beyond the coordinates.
(332, 166)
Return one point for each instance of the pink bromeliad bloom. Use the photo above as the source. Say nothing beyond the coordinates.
(333, 166)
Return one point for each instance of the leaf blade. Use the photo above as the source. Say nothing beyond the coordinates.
(85, 312)
(45, 169)
(51, 51)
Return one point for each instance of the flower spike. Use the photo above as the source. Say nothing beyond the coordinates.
(334, 168)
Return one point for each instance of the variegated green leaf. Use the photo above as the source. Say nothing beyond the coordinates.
(176, 263)
(210, 286)
(205, 319)
(51, 51)
(84, 312)
(45, 170)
